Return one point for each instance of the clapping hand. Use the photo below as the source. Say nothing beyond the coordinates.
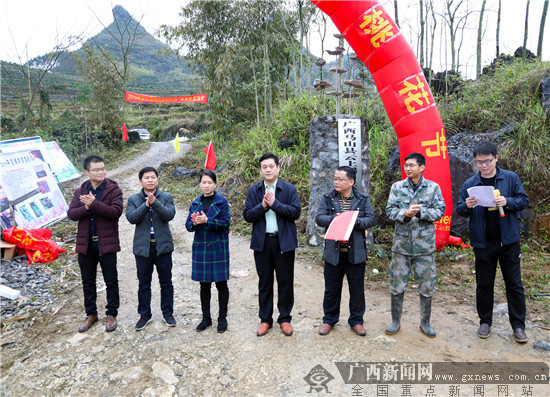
(198, 218)
(150, 200)
(413, 210)
(87, 200)
(269, 199)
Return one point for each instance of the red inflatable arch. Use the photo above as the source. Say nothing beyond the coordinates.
(377, 41)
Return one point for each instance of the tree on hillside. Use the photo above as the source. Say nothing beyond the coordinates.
(526, 24)
(498, 28)
(305, 12)
(421, 35)
(124, 31)
(455, 16)
(428, 26)
(105, 84)
(541, 29)
(479, 37)
(431, 34)
(396, 11)
(28, 84)
(240, 48)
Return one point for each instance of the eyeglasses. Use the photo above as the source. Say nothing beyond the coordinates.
(479, 163)
(98, 170)
(409, 165)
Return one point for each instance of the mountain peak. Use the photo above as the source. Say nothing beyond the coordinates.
(120, 14)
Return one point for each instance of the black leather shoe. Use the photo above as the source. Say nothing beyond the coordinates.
(519, 335)
(484, 331)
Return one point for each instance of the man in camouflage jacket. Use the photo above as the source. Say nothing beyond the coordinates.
(415, 203)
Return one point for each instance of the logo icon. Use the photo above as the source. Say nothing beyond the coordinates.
(318, 378)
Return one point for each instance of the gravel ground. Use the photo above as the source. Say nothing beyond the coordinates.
(52, 358)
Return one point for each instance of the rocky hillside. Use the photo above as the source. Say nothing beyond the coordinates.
(153, 65)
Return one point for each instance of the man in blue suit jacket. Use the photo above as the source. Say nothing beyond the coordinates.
(272, 206)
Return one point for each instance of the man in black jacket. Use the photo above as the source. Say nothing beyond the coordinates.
(272, 206)
(150, 210)
(345, 258)
(494, 234)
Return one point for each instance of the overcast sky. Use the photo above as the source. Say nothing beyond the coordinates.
(33, 26)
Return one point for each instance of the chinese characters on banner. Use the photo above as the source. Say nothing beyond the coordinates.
(378, 27)
(349, 145)
(404, 91)
(414, 94)
(132, 97)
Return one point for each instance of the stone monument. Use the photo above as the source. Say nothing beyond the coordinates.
(327, 152)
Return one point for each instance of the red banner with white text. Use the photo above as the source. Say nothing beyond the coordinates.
(132, 97)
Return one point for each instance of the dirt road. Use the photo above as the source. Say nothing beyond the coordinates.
(53, 359)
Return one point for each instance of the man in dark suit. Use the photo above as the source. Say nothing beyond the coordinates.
(272, 206)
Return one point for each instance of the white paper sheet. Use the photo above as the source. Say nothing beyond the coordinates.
(485, 195)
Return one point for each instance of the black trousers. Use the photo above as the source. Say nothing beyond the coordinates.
(334, 278)
(145, 268)
(508, 256)
(223, 298)
(88, 270)
(272, 260)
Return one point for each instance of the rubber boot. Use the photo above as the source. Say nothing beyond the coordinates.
(396, 311)
(425, 313)
(205, 307)
(223, 300)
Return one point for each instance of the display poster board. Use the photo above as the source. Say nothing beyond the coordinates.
(4, 210)
(14, 145)
(58, 161)
(30, 186)
(60, 164)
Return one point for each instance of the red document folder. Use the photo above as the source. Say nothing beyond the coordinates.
(340, 228)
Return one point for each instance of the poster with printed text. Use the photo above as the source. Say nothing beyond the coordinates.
(62, 167)
(50, 152)
(30, 186)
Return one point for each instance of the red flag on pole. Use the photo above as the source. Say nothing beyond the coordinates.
(124, 133)
(210, 162)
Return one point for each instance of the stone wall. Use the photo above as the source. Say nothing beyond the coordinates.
(323, 152)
